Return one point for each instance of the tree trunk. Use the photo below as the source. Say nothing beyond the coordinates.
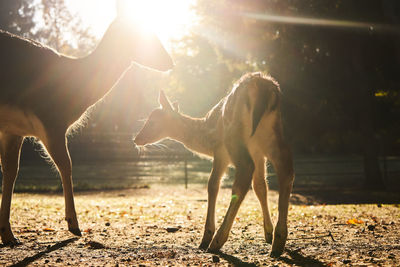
(373, 176)
(368, 141)
(363, 82)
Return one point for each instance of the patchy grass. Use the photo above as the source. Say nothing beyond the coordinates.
(163, 226)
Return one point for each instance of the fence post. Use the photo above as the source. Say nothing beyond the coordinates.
(384, 159)
(186, 173)
(385, 168)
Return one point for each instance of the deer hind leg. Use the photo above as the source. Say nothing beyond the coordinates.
(244, 171)
(219, 166)
(260, 187)
(57, 148)
(10, 147)
(281, 157)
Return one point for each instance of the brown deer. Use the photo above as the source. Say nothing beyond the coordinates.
(44, 94)
(243, 129)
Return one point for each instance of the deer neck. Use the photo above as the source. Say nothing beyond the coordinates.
(194, 134)
(99, 72)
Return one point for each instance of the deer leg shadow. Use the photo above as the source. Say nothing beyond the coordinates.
(30, 259)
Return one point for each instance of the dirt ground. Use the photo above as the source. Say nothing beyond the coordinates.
(163, 226)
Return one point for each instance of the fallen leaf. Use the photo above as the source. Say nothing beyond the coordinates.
(354, 221)
(123, 213)
(48, 229)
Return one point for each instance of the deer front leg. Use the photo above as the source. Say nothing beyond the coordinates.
(58, 151)
(219, 165)
(10, 147)
(282, 161)
(244, 172)
(260, 187)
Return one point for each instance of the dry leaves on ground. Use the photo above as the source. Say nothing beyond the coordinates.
(164, 225)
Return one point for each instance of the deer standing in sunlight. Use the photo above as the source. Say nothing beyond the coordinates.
(44, 95)
(243, 129)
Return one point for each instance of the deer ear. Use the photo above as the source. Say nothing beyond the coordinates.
(175, 105)
(122, 7)
(164, 102)
(119, 5)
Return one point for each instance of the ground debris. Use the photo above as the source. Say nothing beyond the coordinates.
(172, 229)
(95, 245)
(164, 226)
(215, 259)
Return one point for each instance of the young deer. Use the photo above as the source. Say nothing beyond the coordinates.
(242, 129)
(44, 94)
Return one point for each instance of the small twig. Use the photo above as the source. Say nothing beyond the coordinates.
(315, 237)
(330, 234)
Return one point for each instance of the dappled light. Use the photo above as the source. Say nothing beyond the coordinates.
(163, 225)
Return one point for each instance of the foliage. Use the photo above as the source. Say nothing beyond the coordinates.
(63, 30)
(48, 21)
(328, 74)
(16, 16)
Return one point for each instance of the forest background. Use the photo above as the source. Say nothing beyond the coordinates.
(337, 63)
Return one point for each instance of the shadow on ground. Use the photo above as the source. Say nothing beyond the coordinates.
(292, 257)
(28, 260)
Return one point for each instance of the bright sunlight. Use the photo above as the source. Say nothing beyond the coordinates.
(168, 19)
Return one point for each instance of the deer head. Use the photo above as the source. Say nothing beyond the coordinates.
(160, 124)
(127, 40)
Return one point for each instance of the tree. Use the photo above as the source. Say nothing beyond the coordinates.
(63, 30)
(16, 16)
(330, 75)
(47, 21)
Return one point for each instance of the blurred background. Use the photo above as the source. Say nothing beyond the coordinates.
(337, 63)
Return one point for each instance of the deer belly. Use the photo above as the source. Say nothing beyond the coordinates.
(17, 122)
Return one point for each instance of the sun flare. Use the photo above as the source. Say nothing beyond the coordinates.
(168, 19)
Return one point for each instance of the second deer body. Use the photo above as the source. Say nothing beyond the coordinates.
(243, 129)
(43, 94)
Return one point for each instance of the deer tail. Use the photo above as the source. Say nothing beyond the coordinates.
(266, 100)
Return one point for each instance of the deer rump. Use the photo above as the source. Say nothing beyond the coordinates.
(253, 96)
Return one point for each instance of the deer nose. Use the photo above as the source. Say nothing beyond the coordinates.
(138, 142)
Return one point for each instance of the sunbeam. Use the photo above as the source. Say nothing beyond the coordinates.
(320, 22)
(169, 19)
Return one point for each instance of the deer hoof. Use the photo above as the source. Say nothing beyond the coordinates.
(214, 247)
(278, 244)
(275, 254)
(75, 231)
(204, 245)
(213, 250)
(12, 243)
